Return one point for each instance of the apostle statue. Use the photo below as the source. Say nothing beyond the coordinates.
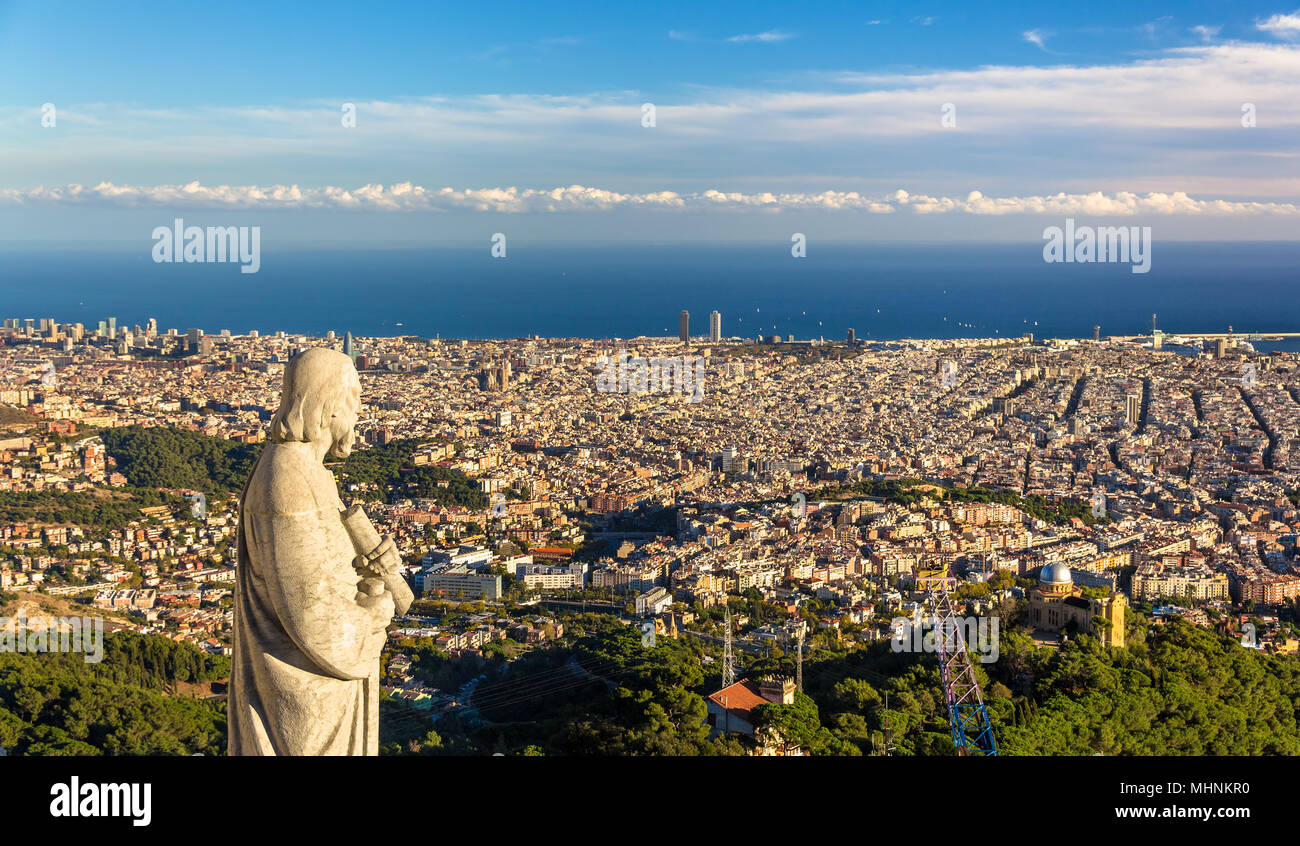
(316, 586)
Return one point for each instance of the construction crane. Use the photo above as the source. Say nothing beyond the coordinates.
(972, 733)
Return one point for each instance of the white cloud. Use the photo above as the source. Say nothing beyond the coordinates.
(1206, 33)
(406, 197)
(1161, 93)
(772, 35)
(1035, 37)
(1283, 26)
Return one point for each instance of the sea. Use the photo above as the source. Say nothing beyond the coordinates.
(883, 291)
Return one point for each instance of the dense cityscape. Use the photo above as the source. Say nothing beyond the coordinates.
(772, 520)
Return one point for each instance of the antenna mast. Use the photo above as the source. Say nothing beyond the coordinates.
(799, 660)
(728, 668)
(889, 735)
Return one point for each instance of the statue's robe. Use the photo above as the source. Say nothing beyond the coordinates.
(305, 677)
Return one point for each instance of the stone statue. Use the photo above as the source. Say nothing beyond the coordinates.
(316, 586)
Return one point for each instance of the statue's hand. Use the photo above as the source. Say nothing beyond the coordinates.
(381, 561)
(383, 565)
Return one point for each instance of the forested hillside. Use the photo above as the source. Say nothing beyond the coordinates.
(159, 457)
(56, 704)
(169, 458)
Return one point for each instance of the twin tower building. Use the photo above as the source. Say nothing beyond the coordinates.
(684, 327)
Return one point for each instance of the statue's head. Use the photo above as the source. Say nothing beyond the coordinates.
(320, 400)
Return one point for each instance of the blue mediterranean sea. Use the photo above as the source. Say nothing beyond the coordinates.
(882, 291)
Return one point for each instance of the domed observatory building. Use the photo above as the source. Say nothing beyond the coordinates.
(1056, 601)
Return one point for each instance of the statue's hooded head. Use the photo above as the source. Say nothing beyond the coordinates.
(319, 402)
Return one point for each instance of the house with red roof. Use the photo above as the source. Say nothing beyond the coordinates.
(730, 710)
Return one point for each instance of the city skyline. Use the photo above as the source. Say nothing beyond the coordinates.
(785, 520)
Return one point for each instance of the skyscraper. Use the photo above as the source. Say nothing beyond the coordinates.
(852, 338)
(684, 326)
(715, 327)
(348, 349)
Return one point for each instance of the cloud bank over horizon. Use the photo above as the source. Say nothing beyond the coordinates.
(407, 197)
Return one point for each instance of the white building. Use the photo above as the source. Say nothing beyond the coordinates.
(654, 601)
(474, 557)
(551, 576)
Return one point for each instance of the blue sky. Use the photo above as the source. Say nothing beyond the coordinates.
(768, 115)
(239, 53)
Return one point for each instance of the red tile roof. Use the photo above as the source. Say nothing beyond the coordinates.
(741, 697)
